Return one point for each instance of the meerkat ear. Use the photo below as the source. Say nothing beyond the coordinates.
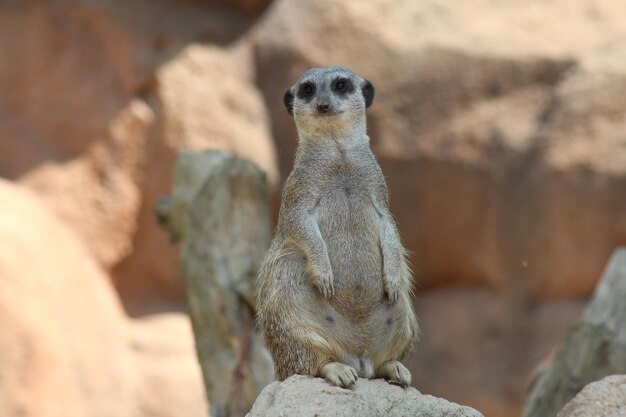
(288, 100)
(368, 93)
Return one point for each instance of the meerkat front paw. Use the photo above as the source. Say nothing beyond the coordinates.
(323, 280)
(394, 371)
(339, 374)
(391, 287)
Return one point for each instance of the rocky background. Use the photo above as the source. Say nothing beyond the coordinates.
(501, 128)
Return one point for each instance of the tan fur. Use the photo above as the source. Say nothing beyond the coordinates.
(334, 291)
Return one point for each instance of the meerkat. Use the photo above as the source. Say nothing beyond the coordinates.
(334, 296)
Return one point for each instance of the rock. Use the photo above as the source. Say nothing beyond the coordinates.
(63, 341)
(594, 347)
(484, 359)
(603, 398)
(497, 137)
(252, 7)
(505, 116)
(98, 193)
(304, 396)
(71, 128)
(219, 212)
(227, 114)
(67, 348)
(169, 378)
(195, 113)
(97, 101)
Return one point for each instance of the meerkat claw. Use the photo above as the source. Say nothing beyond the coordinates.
(326, 285)
(394, 371)
(339, 374)
(391, 288)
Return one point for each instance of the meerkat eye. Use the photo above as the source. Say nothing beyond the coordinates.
(342, 85)
(306, 90)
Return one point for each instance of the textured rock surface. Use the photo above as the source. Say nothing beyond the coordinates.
(604, 398)
(499, 126)
(475, 350)
(67, 348)
(220, 213)
(169, 382)
(595, 346)
(96, 102)
(63, 333)
(302, 396)
(487, 113)
(501, 136)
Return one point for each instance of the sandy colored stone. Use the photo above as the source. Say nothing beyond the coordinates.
(303, 396)
(91, 92)
(603, 398)
(208, 100)
(493, 114)
(205, 100)
(169, 378)
(479, 348)
(98, 194)
(63, 339)
(219, 212)
(595, 345)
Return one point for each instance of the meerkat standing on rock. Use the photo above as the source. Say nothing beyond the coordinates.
(334, 290)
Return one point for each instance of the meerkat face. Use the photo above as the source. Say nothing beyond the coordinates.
(331, 98)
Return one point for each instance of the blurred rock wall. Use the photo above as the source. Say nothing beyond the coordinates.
(500, 127)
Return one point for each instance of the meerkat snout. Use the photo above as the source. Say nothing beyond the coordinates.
(323, 107)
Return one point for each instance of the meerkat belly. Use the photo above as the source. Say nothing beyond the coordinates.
(349, 225)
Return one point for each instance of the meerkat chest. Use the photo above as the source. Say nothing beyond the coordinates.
(345, 210)
(347, 187)
(350, 226)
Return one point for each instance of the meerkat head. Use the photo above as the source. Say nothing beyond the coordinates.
(330, 100)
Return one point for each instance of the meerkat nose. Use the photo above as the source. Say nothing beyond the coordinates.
(323, 107)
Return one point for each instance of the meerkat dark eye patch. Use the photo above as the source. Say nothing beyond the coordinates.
(368, 93)
(288, 100)
(306, 90)
(343, 86)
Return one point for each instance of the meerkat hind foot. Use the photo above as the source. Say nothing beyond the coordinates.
(394, 371)
(339, 374)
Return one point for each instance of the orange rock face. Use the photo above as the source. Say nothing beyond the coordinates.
(500, 138)
(63, 332)
(92, 116)
(67, 347)
(500, 129)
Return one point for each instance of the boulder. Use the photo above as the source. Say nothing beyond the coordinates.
(479, 348)
(603, 398)
(500, 134)
(63, 342)
(66, 345)
(96, 102)
(486, 113)
(169, 380)
(304, 396)
(219, 212)
(595, 345)
(205, 99)
(98, 194)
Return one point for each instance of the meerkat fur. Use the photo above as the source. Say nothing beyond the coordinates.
(334, 294)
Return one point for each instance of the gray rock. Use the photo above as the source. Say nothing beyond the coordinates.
(219, 212)
(594, 347)
(305, 396)
(604, 398)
